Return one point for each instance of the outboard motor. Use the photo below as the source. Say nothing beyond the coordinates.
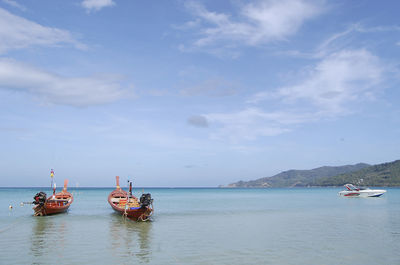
(145, 200)
(40, 198)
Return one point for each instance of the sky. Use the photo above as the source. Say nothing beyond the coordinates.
(194, 93)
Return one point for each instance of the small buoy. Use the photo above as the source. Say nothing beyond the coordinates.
(10, 207)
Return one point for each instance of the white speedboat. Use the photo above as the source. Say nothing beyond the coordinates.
(353, 191)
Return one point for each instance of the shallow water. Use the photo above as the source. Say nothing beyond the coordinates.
(206, 226)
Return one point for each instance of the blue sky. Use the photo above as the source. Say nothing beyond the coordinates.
(194, 93)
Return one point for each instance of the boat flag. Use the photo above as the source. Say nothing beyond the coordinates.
(52, 173)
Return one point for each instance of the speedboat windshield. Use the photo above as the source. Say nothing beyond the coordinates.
(351, 187)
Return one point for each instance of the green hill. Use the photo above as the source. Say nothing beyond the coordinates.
(298, 178)
(386, 174)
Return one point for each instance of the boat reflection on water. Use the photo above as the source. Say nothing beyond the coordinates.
(130, 239)
(47, 239)
(38, 237)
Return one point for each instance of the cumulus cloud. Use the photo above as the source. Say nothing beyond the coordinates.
(17, 33)
(198, 121)
(340, 78)
(330, 89)
(96, 5)
(255, 24)
(52, 88)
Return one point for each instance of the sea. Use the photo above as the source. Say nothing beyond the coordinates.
(206, 226)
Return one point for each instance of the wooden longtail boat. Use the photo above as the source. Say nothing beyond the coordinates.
(128, 205)
(57, 203)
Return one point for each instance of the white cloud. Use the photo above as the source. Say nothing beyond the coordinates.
(14, 4)
(340, 78)
(352, 37)
(247, 124)
(257, 23)
(17, 33)
(96, 5)
(348, 38)
(332, 88)
(52, 88)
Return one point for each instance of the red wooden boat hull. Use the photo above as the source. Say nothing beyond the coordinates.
(50, 208)
(57, 203)
(140, 214)
(134, 213)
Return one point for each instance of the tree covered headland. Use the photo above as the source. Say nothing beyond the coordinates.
(386, 174)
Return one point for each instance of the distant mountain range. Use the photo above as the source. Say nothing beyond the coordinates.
(386, 174)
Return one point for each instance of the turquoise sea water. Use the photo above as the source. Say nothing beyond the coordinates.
(206, 226)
